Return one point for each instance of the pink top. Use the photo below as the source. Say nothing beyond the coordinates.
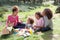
(39, 22)
(12, 19)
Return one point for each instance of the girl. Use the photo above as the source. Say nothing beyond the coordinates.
(39, 22)
(15, 19)
(12, 19)
(47, 16)
(30, 22)
(29, 25)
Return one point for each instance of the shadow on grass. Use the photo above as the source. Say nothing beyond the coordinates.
(47, 35)
(4, 36)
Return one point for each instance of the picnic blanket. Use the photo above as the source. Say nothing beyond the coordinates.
(23, 32)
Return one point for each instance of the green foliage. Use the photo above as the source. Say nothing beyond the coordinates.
(31, 8)
(1, 14)
(46, 5)
(57, 10)
(14, 2)
(55, 2)
(20, 38)
(0, 4)
(2, 11)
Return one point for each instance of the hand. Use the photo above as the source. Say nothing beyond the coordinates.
(10, 24)
(34, 27)
(21, 21)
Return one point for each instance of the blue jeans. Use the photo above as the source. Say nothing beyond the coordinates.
(20, 25)
(44, 29)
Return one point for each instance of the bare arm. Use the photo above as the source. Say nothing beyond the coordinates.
(38, 26)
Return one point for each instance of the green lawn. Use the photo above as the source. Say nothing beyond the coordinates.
(55, 34)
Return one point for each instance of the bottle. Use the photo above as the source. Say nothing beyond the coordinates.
(31, 32)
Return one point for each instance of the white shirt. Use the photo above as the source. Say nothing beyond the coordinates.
(47, 22)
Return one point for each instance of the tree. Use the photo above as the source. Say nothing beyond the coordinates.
(0, 4)
(56, 2)
(37, 1)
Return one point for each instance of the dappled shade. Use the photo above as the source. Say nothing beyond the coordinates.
(58, 10)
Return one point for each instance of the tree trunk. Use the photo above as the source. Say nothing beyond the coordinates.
(55, 2)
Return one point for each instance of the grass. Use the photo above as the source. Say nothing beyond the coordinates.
(42, 36)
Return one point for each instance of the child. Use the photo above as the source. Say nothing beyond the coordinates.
(29, 22)
(12, 19)
(47, 15)
(28, 28)
(39, 22)
(48, 24)
(29, 25)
